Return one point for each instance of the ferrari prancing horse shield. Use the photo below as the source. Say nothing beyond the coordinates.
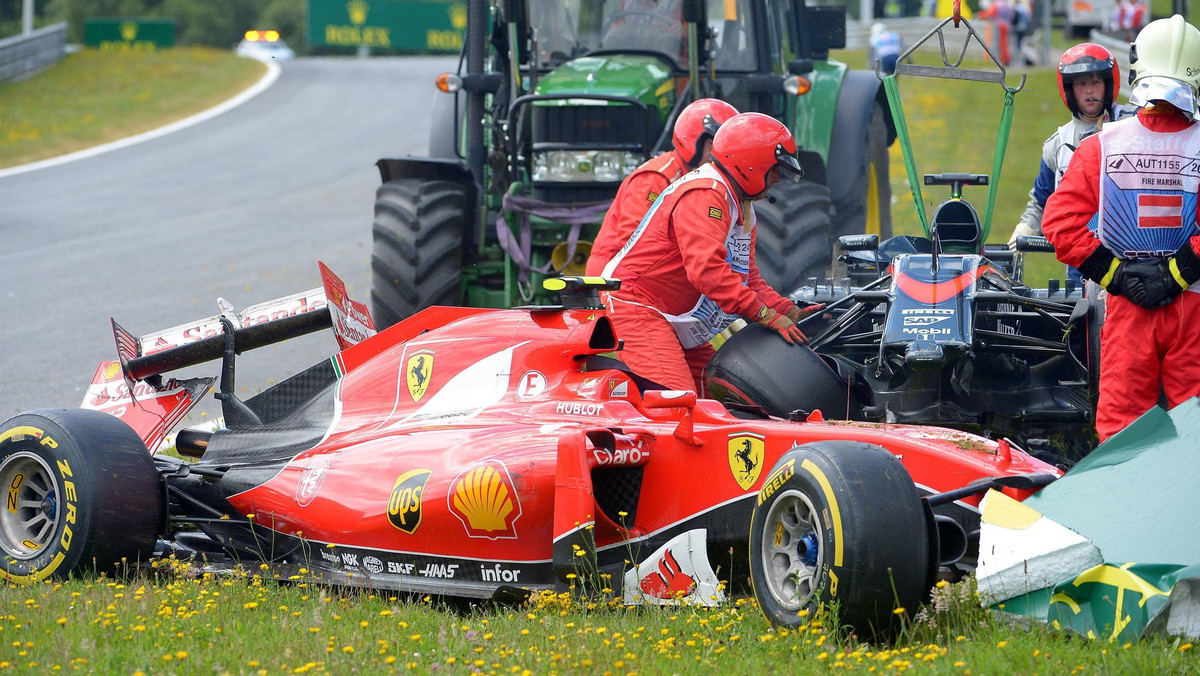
(417, 373)
(746, 458)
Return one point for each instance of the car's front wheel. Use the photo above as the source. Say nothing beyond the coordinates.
(839, 525)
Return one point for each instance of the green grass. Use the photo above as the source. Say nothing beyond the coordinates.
(94, 97)
(181, 621)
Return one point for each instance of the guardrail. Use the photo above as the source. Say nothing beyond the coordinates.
(27, 55)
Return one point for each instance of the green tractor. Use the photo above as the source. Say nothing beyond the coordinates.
(555, 102)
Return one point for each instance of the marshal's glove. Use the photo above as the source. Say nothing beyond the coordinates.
(1023, 229)
(1148, 283)
(796, 312)
(781, 324)
(1184, 269)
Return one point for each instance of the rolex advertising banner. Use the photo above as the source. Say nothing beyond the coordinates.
(117, 34)
(406, 25)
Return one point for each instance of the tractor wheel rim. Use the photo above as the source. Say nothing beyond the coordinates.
(791, 550)
(30, 515)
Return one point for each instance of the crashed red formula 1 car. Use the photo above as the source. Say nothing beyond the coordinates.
(489, 454)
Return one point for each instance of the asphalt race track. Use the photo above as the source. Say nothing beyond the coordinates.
(241, 206)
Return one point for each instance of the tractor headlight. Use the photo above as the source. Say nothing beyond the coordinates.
(584, 166)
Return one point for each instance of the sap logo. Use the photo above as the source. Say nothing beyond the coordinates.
(923, 321)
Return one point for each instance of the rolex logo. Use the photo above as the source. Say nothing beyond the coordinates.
(458, 17)
(358, 11)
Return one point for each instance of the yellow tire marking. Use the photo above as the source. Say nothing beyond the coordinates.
(23, 430)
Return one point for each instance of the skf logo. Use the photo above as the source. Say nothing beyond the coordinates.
(714, 212)
(746, 458)
(357, 9)
(417, 373)
(404, 506)
(485, 500)
(129, 31)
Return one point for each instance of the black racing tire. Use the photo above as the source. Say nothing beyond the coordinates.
(1095, 324)
(793, 238)
(416, 259)
(81, 493)
(756, 366)
(840, 524)
(867, 207)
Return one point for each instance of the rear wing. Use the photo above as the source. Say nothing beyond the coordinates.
(133, 389)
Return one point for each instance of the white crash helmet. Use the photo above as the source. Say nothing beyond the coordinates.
(1165, 65)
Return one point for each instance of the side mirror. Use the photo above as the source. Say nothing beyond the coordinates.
(800, 66)
(676, 399)
(669, 399)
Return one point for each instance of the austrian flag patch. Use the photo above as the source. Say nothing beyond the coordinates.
(1159, 211)
(714, 212)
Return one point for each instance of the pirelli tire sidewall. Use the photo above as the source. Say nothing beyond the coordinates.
(109, 505)
(867, 505)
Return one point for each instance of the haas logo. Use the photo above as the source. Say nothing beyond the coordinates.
(669, 580)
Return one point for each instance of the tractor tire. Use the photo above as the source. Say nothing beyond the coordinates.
(793, 238)
(756, 366)
(416, 258)
(840, 524)
(867, 207)
(82, 493)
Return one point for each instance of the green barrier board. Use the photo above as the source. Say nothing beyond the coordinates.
(118, 34)
(407, 25)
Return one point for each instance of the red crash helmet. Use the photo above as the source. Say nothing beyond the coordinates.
(1084, 59)
(698, 121)
(751, 144)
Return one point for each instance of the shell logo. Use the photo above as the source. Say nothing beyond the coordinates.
(484, 499)
(112, 370)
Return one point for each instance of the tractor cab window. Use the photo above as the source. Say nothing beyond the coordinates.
(568, 29)
(731, 30)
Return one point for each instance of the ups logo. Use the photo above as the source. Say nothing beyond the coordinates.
(404, 505)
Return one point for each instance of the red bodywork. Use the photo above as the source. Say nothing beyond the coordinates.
(468, 450)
